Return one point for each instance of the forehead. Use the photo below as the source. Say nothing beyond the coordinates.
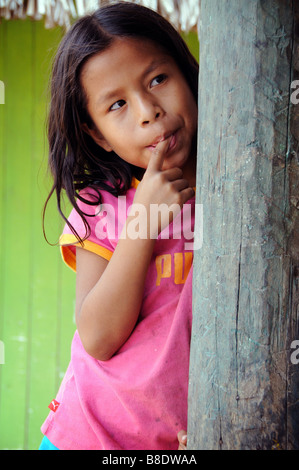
(125, 57)
(123, 48)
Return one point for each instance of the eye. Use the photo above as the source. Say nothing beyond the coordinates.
(117, 105)
(158, 80)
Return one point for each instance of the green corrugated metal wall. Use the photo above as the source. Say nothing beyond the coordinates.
(36, 290)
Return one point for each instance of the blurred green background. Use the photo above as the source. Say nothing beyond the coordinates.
(37, 291)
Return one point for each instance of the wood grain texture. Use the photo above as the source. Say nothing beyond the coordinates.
(243, 391)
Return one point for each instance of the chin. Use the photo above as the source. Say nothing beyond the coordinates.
(178, 161)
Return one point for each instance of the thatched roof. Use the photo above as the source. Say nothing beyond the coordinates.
(183, 14)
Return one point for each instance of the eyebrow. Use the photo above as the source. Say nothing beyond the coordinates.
(154, 65)
(107, 97)
(151, 68)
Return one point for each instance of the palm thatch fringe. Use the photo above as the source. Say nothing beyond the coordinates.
(183, 14)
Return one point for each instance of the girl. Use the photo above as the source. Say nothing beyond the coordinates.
(122, 135)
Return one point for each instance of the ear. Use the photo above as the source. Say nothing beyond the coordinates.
(97, 137)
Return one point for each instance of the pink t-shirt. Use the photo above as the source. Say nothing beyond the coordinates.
(137, 400)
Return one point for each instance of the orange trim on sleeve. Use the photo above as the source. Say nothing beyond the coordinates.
(67, 241)
(134, 182)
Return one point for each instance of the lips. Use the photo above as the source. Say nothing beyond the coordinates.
(169, 135)
(172, 141)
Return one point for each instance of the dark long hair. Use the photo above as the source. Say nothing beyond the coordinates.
(75, 160)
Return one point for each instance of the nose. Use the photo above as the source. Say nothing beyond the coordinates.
(148, 110)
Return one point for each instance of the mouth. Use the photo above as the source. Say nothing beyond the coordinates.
(171, 136)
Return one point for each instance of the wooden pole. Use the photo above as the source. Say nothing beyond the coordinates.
(244, 378)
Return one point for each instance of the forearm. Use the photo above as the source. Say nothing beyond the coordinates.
(109, 303)
(109, 312)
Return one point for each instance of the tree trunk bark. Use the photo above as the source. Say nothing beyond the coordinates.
(244, 370)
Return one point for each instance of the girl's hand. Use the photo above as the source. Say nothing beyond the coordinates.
(182, 438)
(165, 188)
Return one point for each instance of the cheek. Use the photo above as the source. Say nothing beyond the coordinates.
(186, 105)
(192, 115)
(120, 141)
(111, 135)
(116, 132)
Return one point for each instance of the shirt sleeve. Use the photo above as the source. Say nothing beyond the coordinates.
(103, 223)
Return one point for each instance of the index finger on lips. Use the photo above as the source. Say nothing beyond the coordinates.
(158, 155)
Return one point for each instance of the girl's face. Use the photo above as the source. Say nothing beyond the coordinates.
(136, 97)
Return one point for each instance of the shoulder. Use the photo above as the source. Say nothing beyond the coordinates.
(99, 223)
